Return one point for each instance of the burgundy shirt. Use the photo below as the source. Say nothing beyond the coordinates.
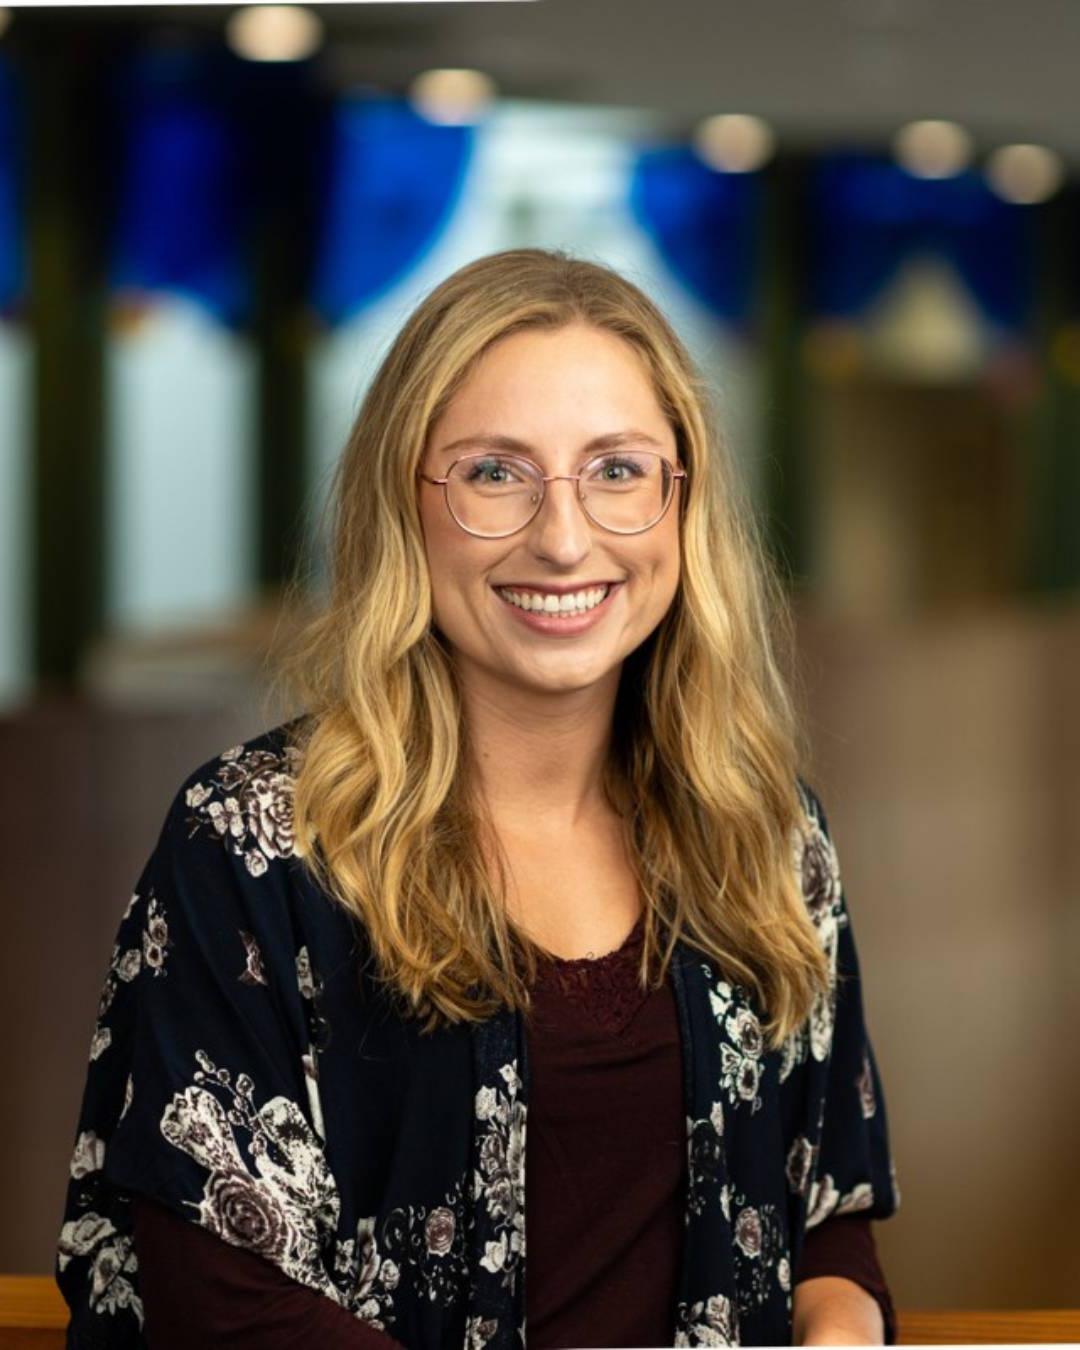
(604, 1234)
(605, 1155)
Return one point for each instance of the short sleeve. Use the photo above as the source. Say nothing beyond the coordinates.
(844, 1245)
(201, 1090)
(838, 1154)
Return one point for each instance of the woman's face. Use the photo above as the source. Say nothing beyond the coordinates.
(555, 392)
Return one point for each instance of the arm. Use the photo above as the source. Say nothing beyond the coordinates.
(840, 1294)
(833, 1310)
(839, 1259)
(206, 955)
(198, 1289)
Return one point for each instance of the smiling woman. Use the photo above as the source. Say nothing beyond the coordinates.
(540, 531)
(538, 848)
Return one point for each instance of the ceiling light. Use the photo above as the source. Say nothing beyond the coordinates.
(733, 142)
(452, 97)
(1025, 173)
(274, 32)
(933, 149)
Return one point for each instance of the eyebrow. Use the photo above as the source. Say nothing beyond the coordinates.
(611, 441)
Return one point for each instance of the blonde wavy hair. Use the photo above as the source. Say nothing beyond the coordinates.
(706, 741)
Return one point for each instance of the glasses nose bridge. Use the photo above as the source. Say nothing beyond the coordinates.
(546, 478)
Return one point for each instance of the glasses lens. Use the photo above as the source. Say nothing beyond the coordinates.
(493, 494)
(628, 490)
(498, 494)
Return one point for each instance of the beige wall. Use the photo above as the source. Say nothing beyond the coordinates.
(948, 758)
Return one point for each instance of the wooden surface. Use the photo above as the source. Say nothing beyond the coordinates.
(33, 1316)
(31, 1301)
(938, 1326)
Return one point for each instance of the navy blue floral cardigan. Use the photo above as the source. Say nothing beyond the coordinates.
(246, 1071)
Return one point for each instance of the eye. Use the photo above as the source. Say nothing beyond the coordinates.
(492, 471)
(620, 469)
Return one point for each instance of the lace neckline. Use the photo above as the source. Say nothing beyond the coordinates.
(605, 987)
(629, 944)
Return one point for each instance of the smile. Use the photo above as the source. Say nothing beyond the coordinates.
(579, 602)
(565, 615)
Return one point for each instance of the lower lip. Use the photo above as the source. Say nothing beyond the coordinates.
(568, 627)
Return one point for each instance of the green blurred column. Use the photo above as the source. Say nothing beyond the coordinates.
(783, 278)
(281, 337)
(1053, 430)
(64, 62)
(291, 123)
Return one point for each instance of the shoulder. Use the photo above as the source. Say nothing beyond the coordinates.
(219, 886)
(813, 809)
(817, 865)
(241, 801)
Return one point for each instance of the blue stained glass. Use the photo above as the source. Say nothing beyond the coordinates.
(11, 226)
(185, 193)
(392, 180)
(868, 216)
(705, 225)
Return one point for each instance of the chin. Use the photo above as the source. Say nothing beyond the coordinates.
(566, 674)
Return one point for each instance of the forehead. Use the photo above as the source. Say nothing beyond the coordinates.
(564, 390)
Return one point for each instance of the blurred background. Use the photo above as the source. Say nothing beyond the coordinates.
(863, 217)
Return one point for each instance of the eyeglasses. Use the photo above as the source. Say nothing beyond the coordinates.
(493, 496)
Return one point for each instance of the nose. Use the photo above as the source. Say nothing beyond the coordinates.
(560, 529)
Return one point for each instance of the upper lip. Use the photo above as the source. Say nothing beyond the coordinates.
(550, 587)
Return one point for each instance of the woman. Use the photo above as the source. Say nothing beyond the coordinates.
(543, 719)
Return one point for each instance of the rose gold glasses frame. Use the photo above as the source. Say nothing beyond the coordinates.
(545, 479)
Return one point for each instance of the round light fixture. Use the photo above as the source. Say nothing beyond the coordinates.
(274, 32)
(1025, 174)
(452, 97)
(933, 148)
(734, 142)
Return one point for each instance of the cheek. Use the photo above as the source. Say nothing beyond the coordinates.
(438, 546)
(668, 561)
(457, 567)
(435, 520)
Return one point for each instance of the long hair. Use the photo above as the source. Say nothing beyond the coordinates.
(706, 744)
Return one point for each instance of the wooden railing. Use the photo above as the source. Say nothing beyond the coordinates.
(33, 1317)
(33, 1314)
(1029, 1326)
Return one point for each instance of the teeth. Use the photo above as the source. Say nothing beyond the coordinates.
(578, 603)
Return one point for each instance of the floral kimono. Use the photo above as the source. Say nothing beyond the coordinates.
(248, 1072)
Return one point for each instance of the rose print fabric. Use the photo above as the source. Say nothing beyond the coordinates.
(248, 1072)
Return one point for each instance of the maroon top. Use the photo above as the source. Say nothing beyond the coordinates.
(604, 1240)
(603, 1236)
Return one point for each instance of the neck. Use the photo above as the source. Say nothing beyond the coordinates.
(538, 757)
